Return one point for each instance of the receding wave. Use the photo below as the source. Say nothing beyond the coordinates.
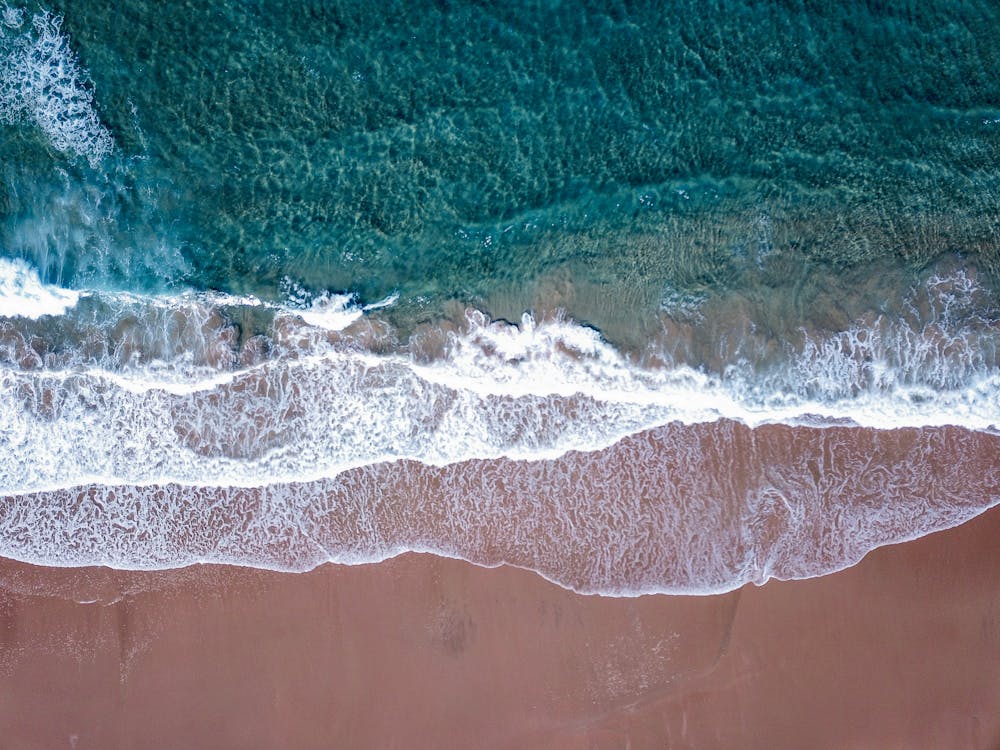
(144, 431)
(693, 509)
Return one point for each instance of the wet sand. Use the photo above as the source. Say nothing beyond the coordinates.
(900, 651)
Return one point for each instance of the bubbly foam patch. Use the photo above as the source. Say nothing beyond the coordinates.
(333, 312)
(23, 295)
(41, 81)
(327, 310)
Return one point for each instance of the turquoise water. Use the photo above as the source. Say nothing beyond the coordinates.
(641, 153)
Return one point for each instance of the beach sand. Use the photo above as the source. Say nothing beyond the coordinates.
(900, 651)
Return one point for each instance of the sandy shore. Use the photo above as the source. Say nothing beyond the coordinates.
(901, 651)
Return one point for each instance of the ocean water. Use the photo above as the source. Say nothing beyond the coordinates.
(281, 283)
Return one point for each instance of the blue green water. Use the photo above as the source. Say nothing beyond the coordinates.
(470, 151)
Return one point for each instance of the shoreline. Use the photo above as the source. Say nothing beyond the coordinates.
(900, 650)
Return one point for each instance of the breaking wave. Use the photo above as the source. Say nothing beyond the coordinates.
(154, 390)
(41, 81)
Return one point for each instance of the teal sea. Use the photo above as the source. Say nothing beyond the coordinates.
(465, 151)
(249, 244)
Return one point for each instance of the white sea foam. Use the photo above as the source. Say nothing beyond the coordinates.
(333, 312)
(12, 18)
(41, 80)
(389, 301)
(327, 310)
(169, 400)
(22, 293)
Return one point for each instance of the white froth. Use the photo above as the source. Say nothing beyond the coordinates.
(41, 80)
(327, 310)
(389, 301)
(23, 295)
(12, 18)
(179, 409)
(334, 312)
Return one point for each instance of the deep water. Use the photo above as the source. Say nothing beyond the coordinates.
(646, 155)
